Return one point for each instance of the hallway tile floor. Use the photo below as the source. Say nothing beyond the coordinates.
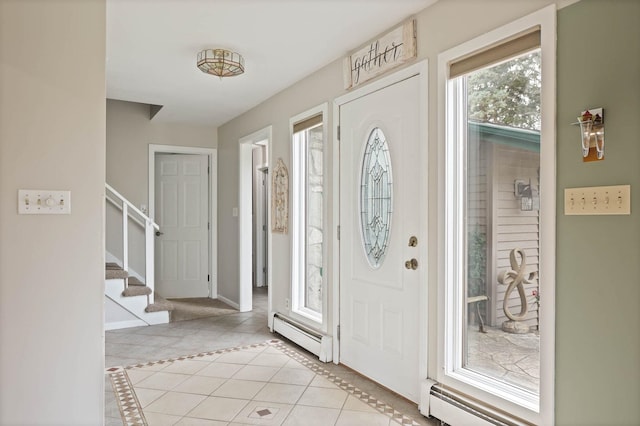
(259, 380)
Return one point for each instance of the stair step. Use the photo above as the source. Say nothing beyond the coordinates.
(112, 265)
(159, 305)
(115, 274)
(136, 291)
(135, 281)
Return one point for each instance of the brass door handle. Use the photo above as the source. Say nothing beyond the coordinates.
(411, 264)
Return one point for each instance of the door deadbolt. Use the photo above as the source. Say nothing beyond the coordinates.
(411, 264)
(413, 241)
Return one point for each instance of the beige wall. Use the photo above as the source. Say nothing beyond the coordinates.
(52, 136)
(595, 345)
(129, 133)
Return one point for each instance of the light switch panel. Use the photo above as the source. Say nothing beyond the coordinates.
(598, 200)
(37, 201)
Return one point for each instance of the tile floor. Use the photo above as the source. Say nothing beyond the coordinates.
(255, 383)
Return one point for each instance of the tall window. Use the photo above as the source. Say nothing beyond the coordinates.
(308, 218)
(499, 250)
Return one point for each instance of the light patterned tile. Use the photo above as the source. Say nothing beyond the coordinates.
(202, 385)
(292, 363)
(220, 369)
(293, 376)
(208, 358)
(216, 408)
(270, 360)
(256, 372)
(185, 367)
(147, 396)
(322, 397)
(162, 381)
(136, 376)
(350, 418)
(322, 382)
(158, 419)
(355, 404)
(326, 392)
(190, 421)
(311, 416)
(175, 403)
(241, 389)
(276, 392)
(263, 413)
(239, 357)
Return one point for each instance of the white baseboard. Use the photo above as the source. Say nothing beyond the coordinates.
(229, 302)
(315, 342)
(123, 324)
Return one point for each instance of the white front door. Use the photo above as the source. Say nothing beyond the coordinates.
(182, 211)
(379, 214)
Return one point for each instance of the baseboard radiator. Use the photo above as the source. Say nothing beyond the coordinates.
(454, 408)
(312, 340)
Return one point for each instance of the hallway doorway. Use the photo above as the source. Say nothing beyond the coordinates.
(254, 219)
(188, 177)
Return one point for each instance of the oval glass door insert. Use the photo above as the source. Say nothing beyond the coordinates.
(376, 198)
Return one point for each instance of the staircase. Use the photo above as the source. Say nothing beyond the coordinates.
(132, 295)
(130, 302)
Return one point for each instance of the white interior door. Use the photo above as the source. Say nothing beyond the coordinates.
(379, 295)
(182, 211)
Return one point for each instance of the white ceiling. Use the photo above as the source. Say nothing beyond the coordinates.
(152, 47)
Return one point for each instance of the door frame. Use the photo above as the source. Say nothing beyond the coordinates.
(421, 70)
(245, 226)
(212, 154)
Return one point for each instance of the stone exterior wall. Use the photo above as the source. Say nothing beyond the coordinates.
(315, 208)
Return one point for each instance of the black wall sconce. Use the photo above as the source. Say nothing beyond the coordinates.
(528, 196)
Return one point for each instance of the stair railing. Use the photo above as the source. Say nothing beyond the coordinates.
(131, 211)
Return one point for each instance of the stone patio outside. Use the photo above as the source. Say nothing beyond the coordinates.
(513, 358)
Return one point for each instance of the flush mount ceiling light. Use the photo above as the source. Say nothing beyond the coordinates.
(220, 62)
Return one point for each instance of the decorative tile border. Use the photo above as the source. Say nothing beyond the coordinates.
(344, 385)
(128, 403)
(131, 410)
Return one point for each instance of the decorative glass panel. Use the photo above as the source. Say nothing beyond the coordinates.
(376, 201)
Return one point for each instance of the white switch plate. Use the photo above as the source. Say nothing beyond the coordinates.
(38, 201)
(598, 200)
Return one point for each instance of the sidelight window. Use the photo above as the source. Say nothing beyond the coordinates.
(308, 217)
(499, 215)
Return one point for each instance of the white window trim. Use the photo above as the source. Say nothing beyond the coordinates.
(297, 309)
(539, 410)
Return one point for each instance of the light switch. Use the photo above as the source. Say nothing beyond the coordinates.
(598, 200)
(37, 201)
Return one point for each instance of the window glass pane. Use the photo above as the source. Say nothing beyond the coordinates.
(501, 181)
(376, 201)
(314, 222)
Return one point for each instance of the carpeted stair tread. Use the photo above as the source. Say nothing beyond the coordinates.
(135, 281)
(113, 271)
(136, 291)
(159, 304)
(115, 274)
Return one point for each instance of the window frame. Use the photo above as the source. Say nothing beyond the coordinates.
(299, 197)
(452, 243)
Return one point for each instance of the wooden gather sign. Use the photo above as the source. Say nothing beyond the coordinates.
(386, 52)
